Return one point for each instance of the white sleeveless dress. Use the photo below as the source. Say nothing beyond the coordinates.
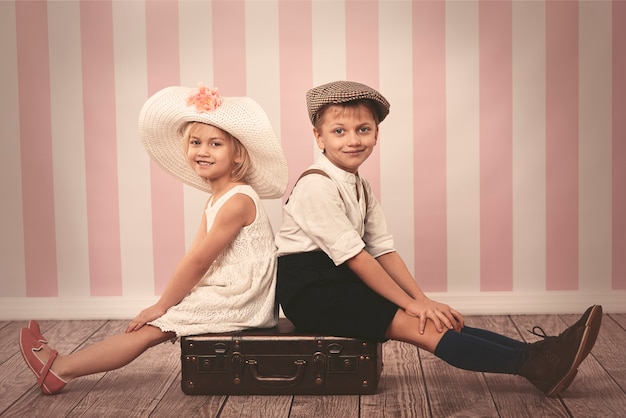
(238, 290)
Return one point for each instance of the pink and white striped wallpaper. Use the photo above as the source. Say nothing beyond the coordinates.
(501, 168)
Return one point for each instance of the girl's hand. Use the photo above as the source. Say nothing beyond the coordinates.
(441, 314)
(149, 314)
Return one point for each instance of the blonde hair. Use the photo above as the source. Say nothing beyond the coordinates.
(239, 151)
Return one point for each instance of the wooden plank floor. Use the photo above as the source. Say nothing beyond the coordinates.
(414, 383)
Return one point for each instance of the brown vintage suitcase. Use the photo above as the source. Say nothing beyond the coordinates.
(278, 361)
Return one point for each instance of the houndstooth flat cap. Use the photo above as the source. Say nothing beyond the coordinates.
(344, 91)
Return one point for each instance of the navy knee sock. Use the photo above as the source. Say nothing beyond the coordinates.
(493, 337)
(470, 352)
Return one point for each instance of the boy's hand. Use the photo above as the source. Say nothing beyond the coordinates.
(441, 314)
(149, 314)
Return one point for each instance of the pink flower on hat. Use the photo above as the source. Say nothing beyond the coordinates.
(204, 99)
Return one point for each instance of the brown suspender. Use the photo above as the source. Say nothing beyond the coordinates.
(312, 171)
(323, 173)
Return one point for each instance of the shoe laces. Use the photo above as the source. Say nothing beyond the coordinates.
(565, 335)
(547, 341)
(539, 332)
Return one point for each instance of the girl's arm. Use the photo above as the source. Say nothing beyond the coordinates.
(201, 230)
(237, 212)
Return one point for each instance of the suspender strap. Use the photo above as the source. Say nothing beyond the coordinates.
(312, 171)
(325, 174)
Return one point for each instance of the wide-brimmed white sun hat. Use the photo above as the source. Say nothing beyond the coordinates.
(165, 114)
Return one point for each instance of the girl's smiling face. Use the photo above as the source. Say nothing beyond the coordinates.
(347, 135)
(210, 151)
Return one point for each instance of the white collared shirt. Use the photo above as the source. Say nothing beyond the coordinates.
(324, 214)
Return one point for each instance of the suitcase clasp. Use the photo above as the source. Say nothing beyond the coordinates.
(341, 364)
(214, 363)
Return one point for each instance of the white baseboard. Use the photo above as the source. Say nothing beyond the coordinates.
(468, 303)
(95, 307)
(520, 303)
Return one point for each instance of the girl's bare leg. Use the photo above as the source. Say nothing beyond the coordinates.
(109, 354)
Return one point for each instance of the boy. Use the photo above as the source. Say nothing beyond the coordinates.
(339, 274)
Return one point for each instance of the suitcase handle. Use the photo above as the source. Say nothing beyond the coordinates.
(277, 381)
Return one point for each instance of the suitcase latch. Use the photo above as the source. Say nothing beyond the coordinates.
(214, 363)
(341, 364)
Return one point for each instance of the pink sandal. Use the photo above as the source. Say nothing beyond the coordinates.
(49, 382)
(33, 326)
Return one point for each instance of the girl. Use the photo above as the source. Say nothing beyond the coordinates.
(338, 272)
(226, 280)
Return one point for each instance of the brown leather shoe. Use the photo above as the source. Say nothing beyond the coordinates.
(552, 363)
(582, 322)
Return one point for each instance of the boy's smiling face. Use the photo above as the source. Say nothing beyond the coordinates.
(347, 135)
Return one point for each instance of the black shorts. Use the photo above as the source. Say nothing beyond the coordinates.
(332, 300)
